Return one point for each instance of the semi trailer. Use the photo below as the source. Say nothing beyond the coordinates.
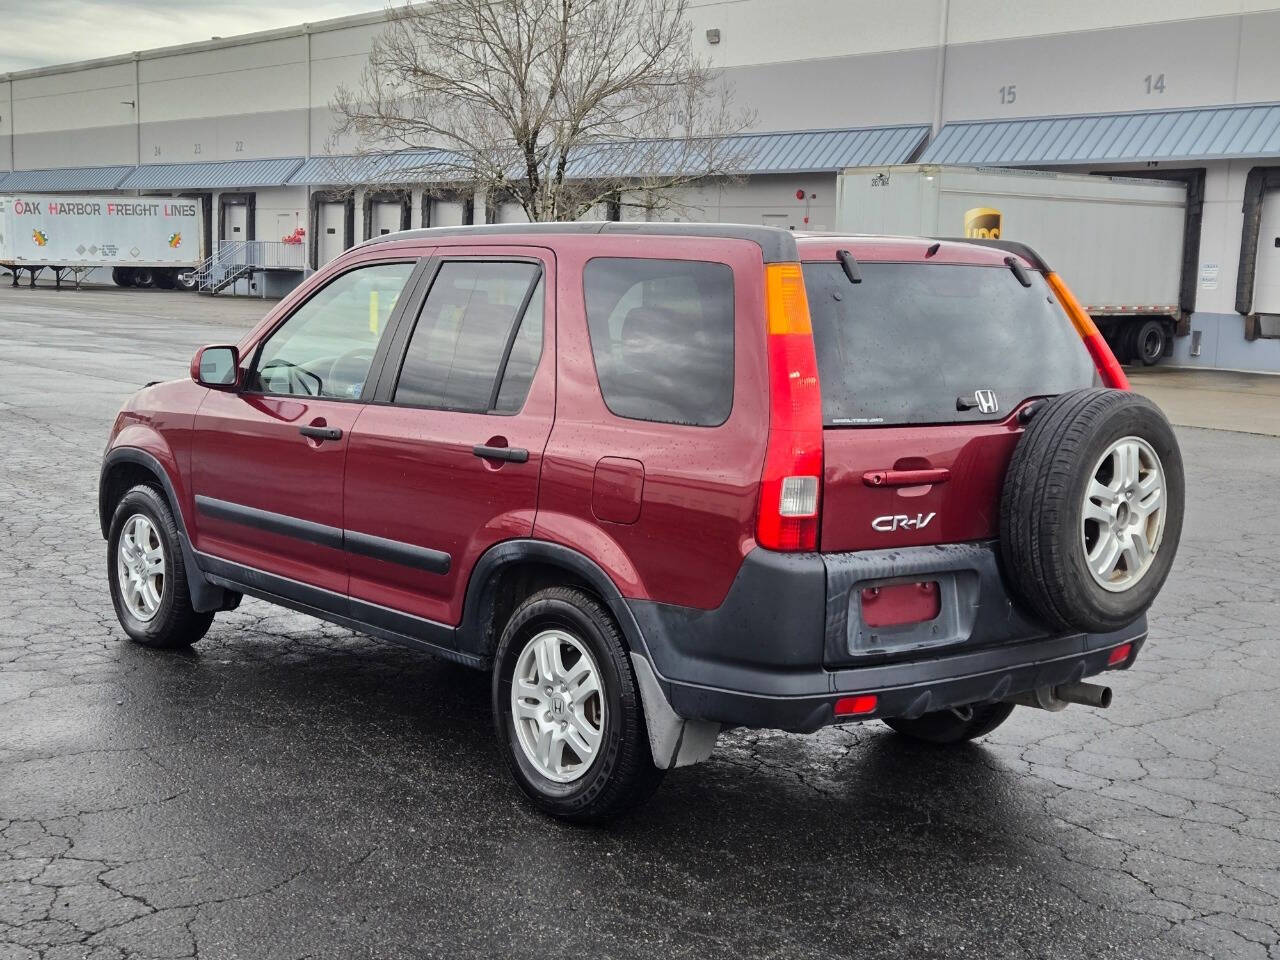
(1120, 242)
(142, 241)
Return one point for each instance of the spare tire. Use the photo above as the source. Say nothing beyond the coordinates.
(1091, 511)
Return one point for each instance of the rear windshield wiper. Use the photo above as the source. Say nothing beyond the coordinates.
(850, 266)
(1018, 271)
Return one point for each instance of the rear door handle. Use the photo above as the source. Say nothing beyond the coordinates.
(905, 478)
(509, 454)
(321, 433)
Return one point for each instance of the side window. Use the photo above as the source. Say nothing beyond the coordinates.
(662, 337)
(465, 333)
(325, 349)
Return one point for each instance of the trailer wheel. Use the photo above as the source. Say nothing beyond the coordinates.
(1150, 342)
(144, 277)
(186, 279)
(122, 276)
(163, 279)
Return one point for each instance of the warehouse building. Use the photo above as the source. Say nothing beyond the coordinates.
(1186, 89)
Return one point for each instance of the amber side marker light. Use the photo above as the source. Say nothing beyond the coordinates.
(1103, 359)
(857, 706)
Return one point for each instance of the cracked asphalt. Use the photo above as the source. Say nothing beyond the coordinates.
(289, 789)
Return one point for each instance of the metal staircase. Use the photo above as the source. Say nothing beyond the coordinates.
(240, 259)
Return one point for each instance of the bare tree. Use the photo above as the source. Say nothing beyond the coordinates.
(558, 105)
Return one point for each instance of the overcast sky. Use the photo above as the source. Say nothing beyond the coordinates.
(42, 32)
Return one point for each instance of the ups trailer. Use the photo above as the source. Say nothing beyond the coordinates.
(1121, 243)
(143, 241)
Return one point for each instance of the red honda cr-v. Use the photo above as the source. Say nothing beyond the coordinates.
(663, 480)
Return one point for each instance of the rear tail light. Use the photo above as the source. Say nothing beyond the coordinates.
(857, 706)
(791, 485)
(1103, 359)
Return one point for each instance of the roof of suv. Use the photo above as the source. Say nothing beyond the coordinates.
(776, 245)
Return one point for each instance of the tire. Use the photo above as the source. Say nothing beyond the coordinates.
(620, 773)
(122, 276)
(1149, 342)
(174, 623)
(164, 279)
(185, 279)
(143, 277)
(948, 726)
(1046, 535)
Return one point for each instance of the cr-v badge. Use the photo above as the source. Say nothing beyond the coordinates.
(900, 522)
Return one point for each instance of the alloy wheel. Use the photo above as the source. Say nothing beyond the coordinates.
(140, 567)
(1124, 514)
(558, 705)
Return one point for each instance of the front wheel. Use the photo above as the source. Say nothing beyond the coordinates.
(957, 725)
(567, 709)
(147, 575)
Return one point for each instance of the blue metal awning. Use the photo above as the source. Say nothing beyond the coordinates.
(804, 151)
(1209, 133)
(217, 174)
(809, 151)
(63, 180)
(410, 166)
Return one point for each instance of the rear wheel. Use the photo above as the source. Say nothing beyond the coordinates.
(1150, 342)
(143, 277)
(956, 725)
(147, 575)
(122, 276)
(567, 709)
(186, 279)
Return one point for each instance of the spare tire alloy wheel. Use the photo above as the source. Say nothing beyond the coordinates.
(1124, 513)
(1091, 511)
(556, 705)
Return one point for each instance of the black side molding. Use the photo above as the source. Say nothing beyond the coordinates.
(394, 551)
(279, 523)
(364, 544)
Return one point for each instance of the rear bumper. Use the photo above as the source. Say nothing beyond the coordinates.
(785, 644)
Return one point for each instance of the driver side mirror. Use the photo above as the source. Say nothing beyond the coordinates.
(216, 367)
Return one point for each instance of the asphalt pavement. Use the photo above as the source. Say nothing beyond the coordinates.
(289, 789)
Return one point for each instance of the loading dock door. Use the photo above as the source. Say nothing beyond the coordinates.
(447, 213)
(237, 222)
(1266, 284)
(385, 217)
(332, 231)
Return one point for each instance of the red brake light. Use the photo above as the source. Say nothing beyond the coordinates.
(1103, 359)
(1119, 655)
(856, 706)
(791, 485)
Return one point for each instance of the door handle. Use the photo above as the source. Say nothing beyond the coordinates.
(905, 478)
(321, 433)
(509, 454)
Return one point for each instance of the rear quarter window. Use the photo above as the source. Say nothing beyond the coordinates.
(914, 342)
(662, 338)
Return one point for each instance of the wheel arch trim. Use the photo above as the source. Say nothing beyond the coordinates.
(205, 595)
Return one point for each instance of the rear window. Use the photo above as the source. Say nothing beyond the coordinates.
(922, 343)
(662, 337)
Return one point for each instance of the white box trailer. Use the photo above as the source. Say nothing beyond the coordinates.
(1117, 241)
(142, 240)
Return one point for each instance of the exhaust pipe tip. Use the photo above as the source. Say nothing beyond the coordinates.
(1057, 698)
(1089, 694)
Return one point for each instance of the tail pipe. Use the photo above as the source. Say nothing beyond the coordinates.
(1057, 698)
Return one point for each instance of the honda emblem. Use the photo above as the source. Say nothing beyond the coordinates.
(986, 401)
